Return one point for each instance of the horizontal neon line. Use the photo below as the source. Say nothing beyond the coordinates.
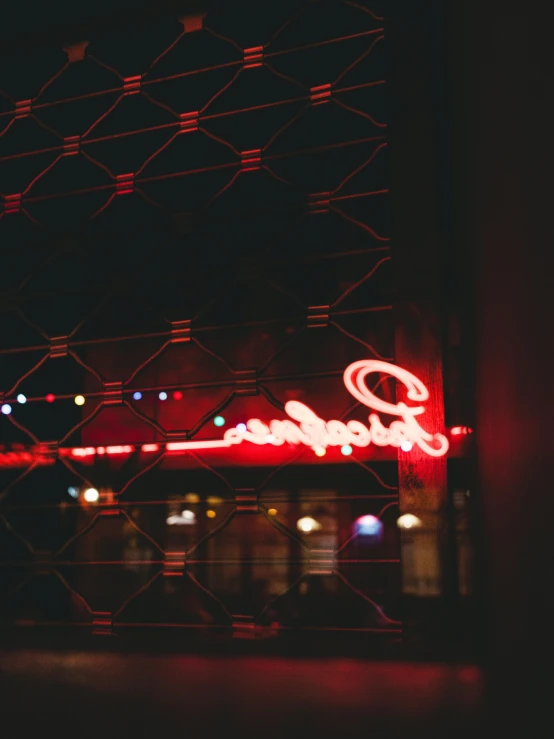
(177, 446)
(309, 429)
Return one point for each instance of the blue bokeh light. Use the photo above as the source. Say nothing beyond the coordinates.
(369, 525)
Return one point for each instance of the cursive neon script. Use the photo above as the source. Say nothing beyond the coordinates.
(306, 427)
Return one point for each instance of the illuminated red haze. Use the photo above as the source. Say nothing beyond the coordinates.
(313, 431)
(304, 426)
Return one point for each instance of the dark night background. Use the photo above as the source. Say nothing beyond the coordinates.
(467, 109)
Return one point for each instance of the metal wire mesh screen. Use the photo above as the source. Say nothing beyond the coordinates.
(196, 208)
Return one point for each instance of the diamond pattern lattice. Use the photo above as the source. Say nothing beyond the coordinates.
(202, 209)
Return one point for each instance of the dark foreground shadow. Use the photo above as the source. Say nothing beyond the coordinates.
(128, 695)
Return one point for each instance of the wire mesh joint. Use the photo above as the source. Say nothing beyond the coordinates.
(71, 145)
(43, 564)
(124, 183)
(131, 85)
(246, 383)
(320, 94)
(76, 52)
(23, 108)
(319, 202)
(180, 331)
(192, 22)
(251, 160)
(174, 564)
(113, 393)
(110, 503)
(12, 203)
(318, 316)
(247, 501)
(174, 437)
(243, 627)
(188, 121)
(102, 623)
(59, 346)
(322, 562)
(253, 57)
(47, 451)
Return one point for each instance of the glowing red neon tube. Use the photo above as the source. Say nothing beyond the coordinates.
(313, 431)
(179, 446)
(90, 451)
(304, 426)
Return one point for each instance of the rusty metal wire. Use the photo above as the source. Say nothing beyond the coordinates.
(216, 121)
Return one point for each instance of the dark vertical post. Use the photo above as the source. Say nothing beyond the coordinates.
(502, 73)
(417, 246)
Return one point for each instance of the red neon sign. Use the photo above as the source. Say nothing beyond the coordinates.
(304, 426)
(314, 432)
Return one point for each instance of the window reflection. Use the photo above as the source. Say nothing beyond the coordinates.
(311, 557)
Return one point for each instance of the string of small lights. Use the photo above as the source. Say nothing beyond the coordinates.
(7, 407)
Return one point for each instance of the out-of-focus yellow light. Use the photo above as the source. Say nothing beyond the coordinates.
(272, 512)
(214, 500)
(320, 451)
(192, 497)
(408, 521)
(79, 400)
(91, 495)
(211, 514)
